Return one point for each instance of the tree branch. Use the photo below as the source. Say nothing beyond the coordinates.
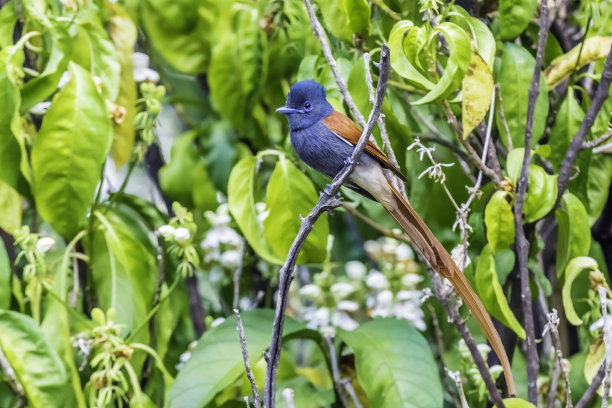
(601, 94)
(522, 244)
(326, 202)
(245, 357)
(593, 387)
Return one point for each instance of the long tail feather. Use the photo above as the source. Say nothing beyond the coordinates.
(441, 261)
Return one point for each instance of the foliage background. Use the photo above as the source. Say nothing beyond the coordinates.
(133, 187)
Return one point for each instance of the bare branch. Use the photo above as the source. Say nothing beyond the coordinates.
(601, 94)
(502, 116)
(607, 337)
(340, 383)
(386, 9)
(385, 231)
(326, 202)
(237, 276)
(560, 365)
(318, 31)
(593, 387)
(522, 244)
(245, 357)
(594, 143)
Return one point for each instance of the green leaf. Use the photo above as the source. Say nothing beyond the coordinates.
(289, 195)
(574, 235)
(480, 33)
(122, 32)
(358, 12)
(241, 202)
(36, 365)
(306, 395)
(10, 208)
(399, 61)
(499, 221)
(69, 151)
(460, 51)
(124, 272)
(514, 75)
(542, 194)
(8, 19)
(5, 278)
(517, 403)
(395, 365)
(197, 383)
(181, 31)
(492, 294)
(336, 17)
(514, 16)
(574, 268)
(566, 125)
(477, 89)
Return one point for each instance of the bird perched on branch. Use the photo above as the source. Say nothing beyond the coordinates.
(325, 138)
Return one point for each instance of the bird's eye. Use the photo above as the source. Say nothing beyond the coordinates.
(307, 106)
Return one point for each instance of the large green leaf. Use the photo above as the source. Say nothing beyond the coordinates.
(241, 201)
(69, 151)
(399, 62)
(566, 125)
(542, 194)
(514, 75)
(336, 18)
(122, 32)
(480, 33)
(460, 51)
(8, 19)
(491, 292)
(499, 221)
(5, 278)
(10, 208)
(395, 365)
(36, 365)
(574, 268)
(574, 236)
(216, 362)
(514, 16)
(358, 15)
(290, 195)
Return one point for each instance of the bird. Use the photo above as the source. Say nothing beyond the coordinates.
(324, 139)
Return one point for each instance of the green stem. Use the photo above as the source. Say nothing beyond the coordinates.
(131, 168)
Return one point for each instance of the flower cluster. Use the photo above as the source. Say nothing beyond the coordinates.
(342, 301)
(477, 389)
(179, 234)
(222, 244)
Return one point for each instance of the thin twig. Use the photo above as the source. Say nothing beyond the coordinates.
(522, 244)
(245, 357)
(594, 143)
(326, 202)
(385, 231)
(383, 129)
(74, 293)
(560, 366)
(606, 148)
(318, 31)
(592, 388)
(336, 378)
(454, 317)
(387, 10)
(607, 337)
(601, 94)
(238, 275)
(456, 377)
(502, 116)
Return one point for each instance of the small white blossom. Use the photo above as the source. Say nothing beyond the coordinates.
(310, 291)
(222, 220)
(45, 244)
(217, 321)
(317, 318)
(231, 258)
(372, 247)
(355, 269)
(166, 231)
(384, 304)
(182, 235)
(348, 306)
(40, 108)
(341, 290)
(376, 280)
(142, 72)
(408, 295)
(404, 252)
(344, 321)
(410, 280)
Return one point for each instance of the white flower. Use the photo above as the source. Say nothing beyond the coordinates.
(45, 244)
(142, 72)
(231, 258)
(403, 252)
(318, 318)
(222, 220)
(410, 280)
(340, 290)
(389, 246)
(64, 79)
(217, 322)
(408, 295)
(355, 269)
(372, 247)
(288, 394)
(376, 280)
(310, 291)
(260, 207)
(40, 108)
(348, 306)
(166, 231)
(344, 321)
(384, 304)
(182, 235)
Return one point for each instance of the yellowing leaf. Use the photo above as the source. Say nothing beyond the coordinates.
(574, 267)
(477, 91)
(593, 361)
(10, 208)
(517, 403)
(594, 48)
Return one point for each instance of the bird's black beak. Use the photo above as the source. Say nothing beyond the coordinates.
(286, 110)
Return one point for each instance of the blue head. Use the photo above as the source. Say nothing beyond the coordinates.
(306, 105)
